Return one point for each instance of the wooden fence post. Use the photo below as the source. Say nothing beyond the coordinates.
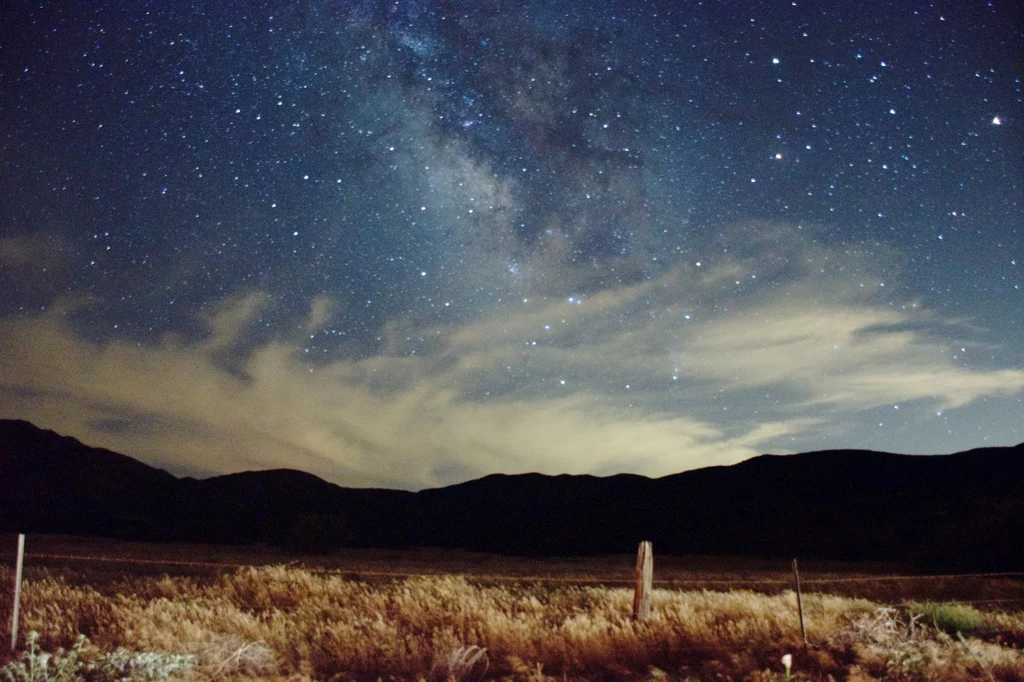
(17, 591)
(644, 579)
(799, 603)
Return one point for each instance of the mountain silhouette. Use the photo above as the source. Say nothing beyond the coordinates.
(964, 510)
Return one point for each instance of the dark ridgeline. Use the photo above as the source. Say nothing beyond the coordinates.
(964, 510)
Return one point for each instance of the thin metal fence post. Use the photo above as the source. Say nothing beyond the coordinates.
(799, 603)
(17, 591)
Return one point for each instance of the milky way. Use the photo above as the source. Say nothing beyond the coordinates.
(410, 243)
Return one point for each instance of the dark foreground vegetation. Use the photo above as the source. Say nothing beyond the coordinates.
(353, 619)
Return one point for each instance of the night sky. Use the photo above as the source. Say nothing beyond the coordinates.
(410, 243)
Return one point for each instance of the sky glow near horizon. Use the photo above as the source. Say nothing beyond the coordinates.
(409, 244)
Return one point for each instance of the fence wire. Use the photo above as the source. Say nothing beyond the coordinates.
(548, 578)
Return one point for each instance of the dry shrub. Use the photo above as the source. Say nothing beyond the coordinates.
(900, 647)
(462, 663)
(232, 656)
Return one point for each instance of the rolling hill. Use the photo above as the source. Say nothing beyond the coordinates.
(942, 511)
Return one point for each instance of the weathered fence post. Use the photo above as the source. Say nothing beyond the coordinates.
(799, 603)
(644, 579)
(17, 591)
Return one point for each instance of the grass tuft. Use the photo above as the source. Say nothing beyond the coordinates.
(950, 618)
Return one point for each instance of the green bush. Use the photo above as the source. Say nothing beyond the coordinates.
(82, 663)
(951, 618)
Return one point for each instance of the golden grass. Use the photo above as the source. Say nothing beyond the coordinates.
(283, 622)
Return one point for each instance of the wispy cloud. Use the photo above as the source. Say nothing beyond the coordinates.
(280, 413)
(618, 380)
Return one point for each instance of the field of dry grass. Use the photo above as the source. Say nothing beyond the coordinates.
(289, 622)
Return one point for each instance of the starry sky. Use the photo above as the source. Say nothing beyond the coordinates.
(410, 243)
